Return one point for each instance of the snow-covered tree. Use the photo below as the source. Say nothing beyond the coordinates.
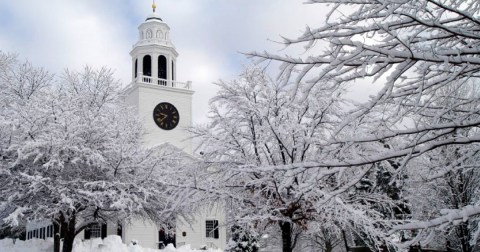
(414, 49)
(243, 239)
(454, 189)
(262, 130)
(322, 239)
(429, 197)
(71, 152)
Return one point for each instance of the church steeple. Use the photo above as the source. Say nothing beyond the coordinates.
(163, 103)
(154, 56)
(164, 107)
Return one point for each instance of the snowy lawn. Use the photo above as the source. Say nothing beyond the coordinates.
(112, 243)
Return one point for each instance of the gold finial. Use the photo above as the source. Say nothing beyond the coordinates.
(154, 6)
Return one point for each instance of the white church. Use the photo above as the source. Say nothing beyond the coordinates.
(164, 105)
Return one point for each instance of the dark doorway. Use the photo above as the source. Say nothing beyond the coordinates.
(165, 238)
(119, 230)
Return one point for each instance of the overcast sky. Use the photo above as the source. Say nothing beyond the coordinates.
(208, 34)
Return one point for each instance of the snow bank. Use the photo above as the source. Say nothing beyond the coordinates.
(112, 243)
(34, 245)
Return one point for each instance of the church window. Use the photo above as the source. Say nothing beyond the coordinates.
(211, 228)
(136, 67)
(147, 65)
(173, 70)
(159, 34)
(162, 67)
(149, 34)
(51, 231)
(95, 231)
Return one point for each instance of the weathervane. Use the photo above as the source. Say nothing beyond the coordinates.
(154, 6)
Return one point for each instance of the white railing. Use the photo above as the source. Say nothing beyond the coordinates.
(163, 82)
(147, 79)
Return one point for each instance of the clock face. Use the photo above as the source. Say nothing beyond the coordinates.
(166, 116)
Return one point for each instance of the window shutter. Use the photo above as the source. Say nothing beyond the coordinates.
(104, 230)
(215, 229)
(86, 233)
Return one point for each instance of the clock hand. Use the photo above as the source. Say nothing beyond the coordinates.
(163, 116)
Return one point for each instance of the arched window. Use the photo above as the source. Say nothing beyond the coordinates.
(147, 65)
(173, 70)
(136, 67)
(149, 34)
(159, 34)
(162, 67)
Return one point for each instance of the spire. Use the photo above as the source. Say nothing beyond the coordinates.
(154, 15)
(154, 6)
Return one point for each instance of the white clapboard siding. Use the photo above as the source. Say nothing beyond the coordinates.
(196, 231)
(144, 232)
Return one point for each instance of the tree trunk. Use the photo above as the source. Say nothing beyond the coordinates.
(56, 237)
(69, 233)
(463, 233)
(328, 246)
(286, 228)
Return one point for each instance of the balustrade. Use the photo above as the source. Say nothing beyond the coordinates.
(163, 82)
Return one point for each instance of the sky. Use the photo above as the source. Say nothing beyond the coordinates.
(210, 35)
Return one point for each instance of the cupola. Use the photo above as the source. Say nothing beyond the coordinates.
(154, 56)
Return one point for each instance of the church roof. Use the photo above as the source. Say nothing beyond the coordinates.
(154, 16)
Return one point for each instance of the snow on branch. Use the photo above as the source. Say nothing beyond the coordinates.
(448, 216)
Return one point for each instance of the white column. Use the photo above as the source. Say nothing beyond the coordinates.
(154, 68)
(169, 70)
(133, 69)
(174, 72)
(140, 68)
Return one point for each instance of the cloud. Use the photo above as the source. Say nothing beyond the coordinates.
(208, 34)
(60, 34)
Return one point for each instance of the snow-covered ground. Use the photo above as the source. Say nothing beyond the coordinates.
(112, 243)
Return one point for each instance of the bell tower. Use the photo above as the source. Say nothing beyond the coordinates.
(163, 103)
